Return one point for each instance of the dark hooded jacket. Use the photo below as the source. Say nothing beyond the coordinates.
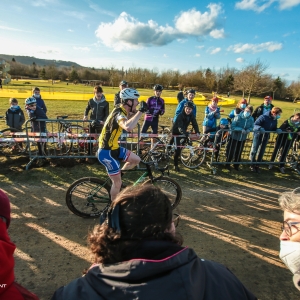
(182, 122)
(162, 270)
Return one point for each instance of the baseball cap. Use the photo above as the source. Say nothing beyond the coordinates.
(123, 82)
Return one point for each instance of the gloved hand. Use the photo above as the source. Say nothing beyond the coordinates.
(247, 131)
(278, 131)
(143, 106)
(262, 130)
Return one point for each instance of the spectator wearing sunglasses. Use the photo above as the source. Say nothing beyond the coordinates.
(139, 255)
(290, 235)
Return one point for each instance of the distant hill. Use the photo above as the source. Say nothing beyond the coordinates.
(28, 60)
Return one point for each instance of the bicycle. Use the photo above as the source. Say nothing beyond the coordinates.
(192, 155)
(63, 143)
(293, 157)
(88, 197)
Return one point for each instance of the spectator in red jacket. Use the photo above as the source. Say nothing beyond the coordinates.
(9, 289)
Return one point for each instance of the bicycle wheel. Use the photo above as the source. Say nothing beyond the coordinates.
(151, 150)
(170, 187)
(87, 197)
(193, 156)
(9, 147)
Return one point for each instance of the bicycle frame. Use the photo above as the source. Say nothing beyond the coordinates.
(147, 174)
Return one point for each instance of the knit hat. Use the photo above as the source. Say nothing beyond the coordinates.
(4, 207)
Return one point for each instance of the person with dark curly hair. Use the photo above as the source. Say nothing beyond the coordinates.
(138, 255)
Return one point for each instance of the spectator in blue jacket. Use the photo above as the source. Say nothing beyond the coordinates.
(240, 107)
(190, 97)
(266, 122)
(212, 113)
(36, 93)
(241, 126)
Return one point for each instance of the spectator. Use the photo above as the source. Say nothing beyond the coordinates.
(241, 105)
(39, 101)
(266, 122)
(123, 85)
(262, 109)
(10, 290)
(228, 94)
(212, 113)
(190, 97)
(99, 108)
(138, 255)
(290, 235)
(35, 112)
(241, 126)
(180, 96)
(284, 142)
(156, 108)
(180, 128)
(217, 136)
(14, 115)
(0, 83)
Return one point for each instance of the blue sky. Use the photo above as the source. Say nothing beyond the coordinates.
(160, 35)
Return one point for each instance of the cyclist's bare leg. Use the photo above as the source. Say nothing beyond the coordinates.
(131, 162)
(116, 186)
(116, 180)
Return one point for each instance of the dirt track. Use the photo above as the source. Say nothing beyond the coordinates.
(236, 224)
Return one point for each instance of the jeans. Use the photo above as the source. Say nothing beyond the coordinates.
(259, 145)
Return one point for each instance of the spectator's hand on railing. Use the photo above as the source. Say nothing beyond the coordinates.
(278, 131)
(85, 118)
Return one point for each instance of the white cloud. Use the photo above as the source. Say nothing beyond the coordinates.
(70, 30)
(240, 60)
(256, 5)
(197, 55)
(286, 4)
(75, 14)
(214, 50)
(47, 50)
(217, 33)
(192, 22)
(99, 10)
(43, 3)
(82, 49)
(128, 33)
(12, 29)
(165, 55)
(254, 48)
(200, 47)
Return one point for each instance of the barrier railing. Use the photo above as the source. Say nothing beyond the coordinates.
(60, 138)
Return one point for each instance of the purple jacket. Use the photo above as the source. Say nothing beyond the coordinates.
(156, 107)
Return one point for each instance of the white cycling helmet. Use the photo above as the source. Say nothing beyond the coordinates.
(30, 100)
(128, 94)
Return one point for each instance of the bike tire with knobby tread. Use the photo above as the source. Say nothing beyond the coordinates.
(170, 187)
(83, 190)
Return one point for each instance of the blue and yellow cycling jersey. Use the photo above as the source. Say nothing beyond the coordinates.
(111, 130)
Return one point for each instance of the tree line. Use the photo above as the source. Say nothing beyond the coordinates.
(251, 80)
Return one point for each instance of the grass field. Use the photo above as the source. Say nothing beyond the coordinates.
(230, 217)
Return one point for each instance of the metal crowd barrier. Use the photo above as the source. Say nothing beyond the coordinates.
(272, 149)
(62, 138)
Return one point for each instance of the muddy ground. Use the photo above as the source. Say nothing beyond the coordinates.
(233, 219)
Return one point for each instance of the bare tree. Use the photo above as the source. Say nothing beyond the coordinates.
(295, 89)
(248, 79)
